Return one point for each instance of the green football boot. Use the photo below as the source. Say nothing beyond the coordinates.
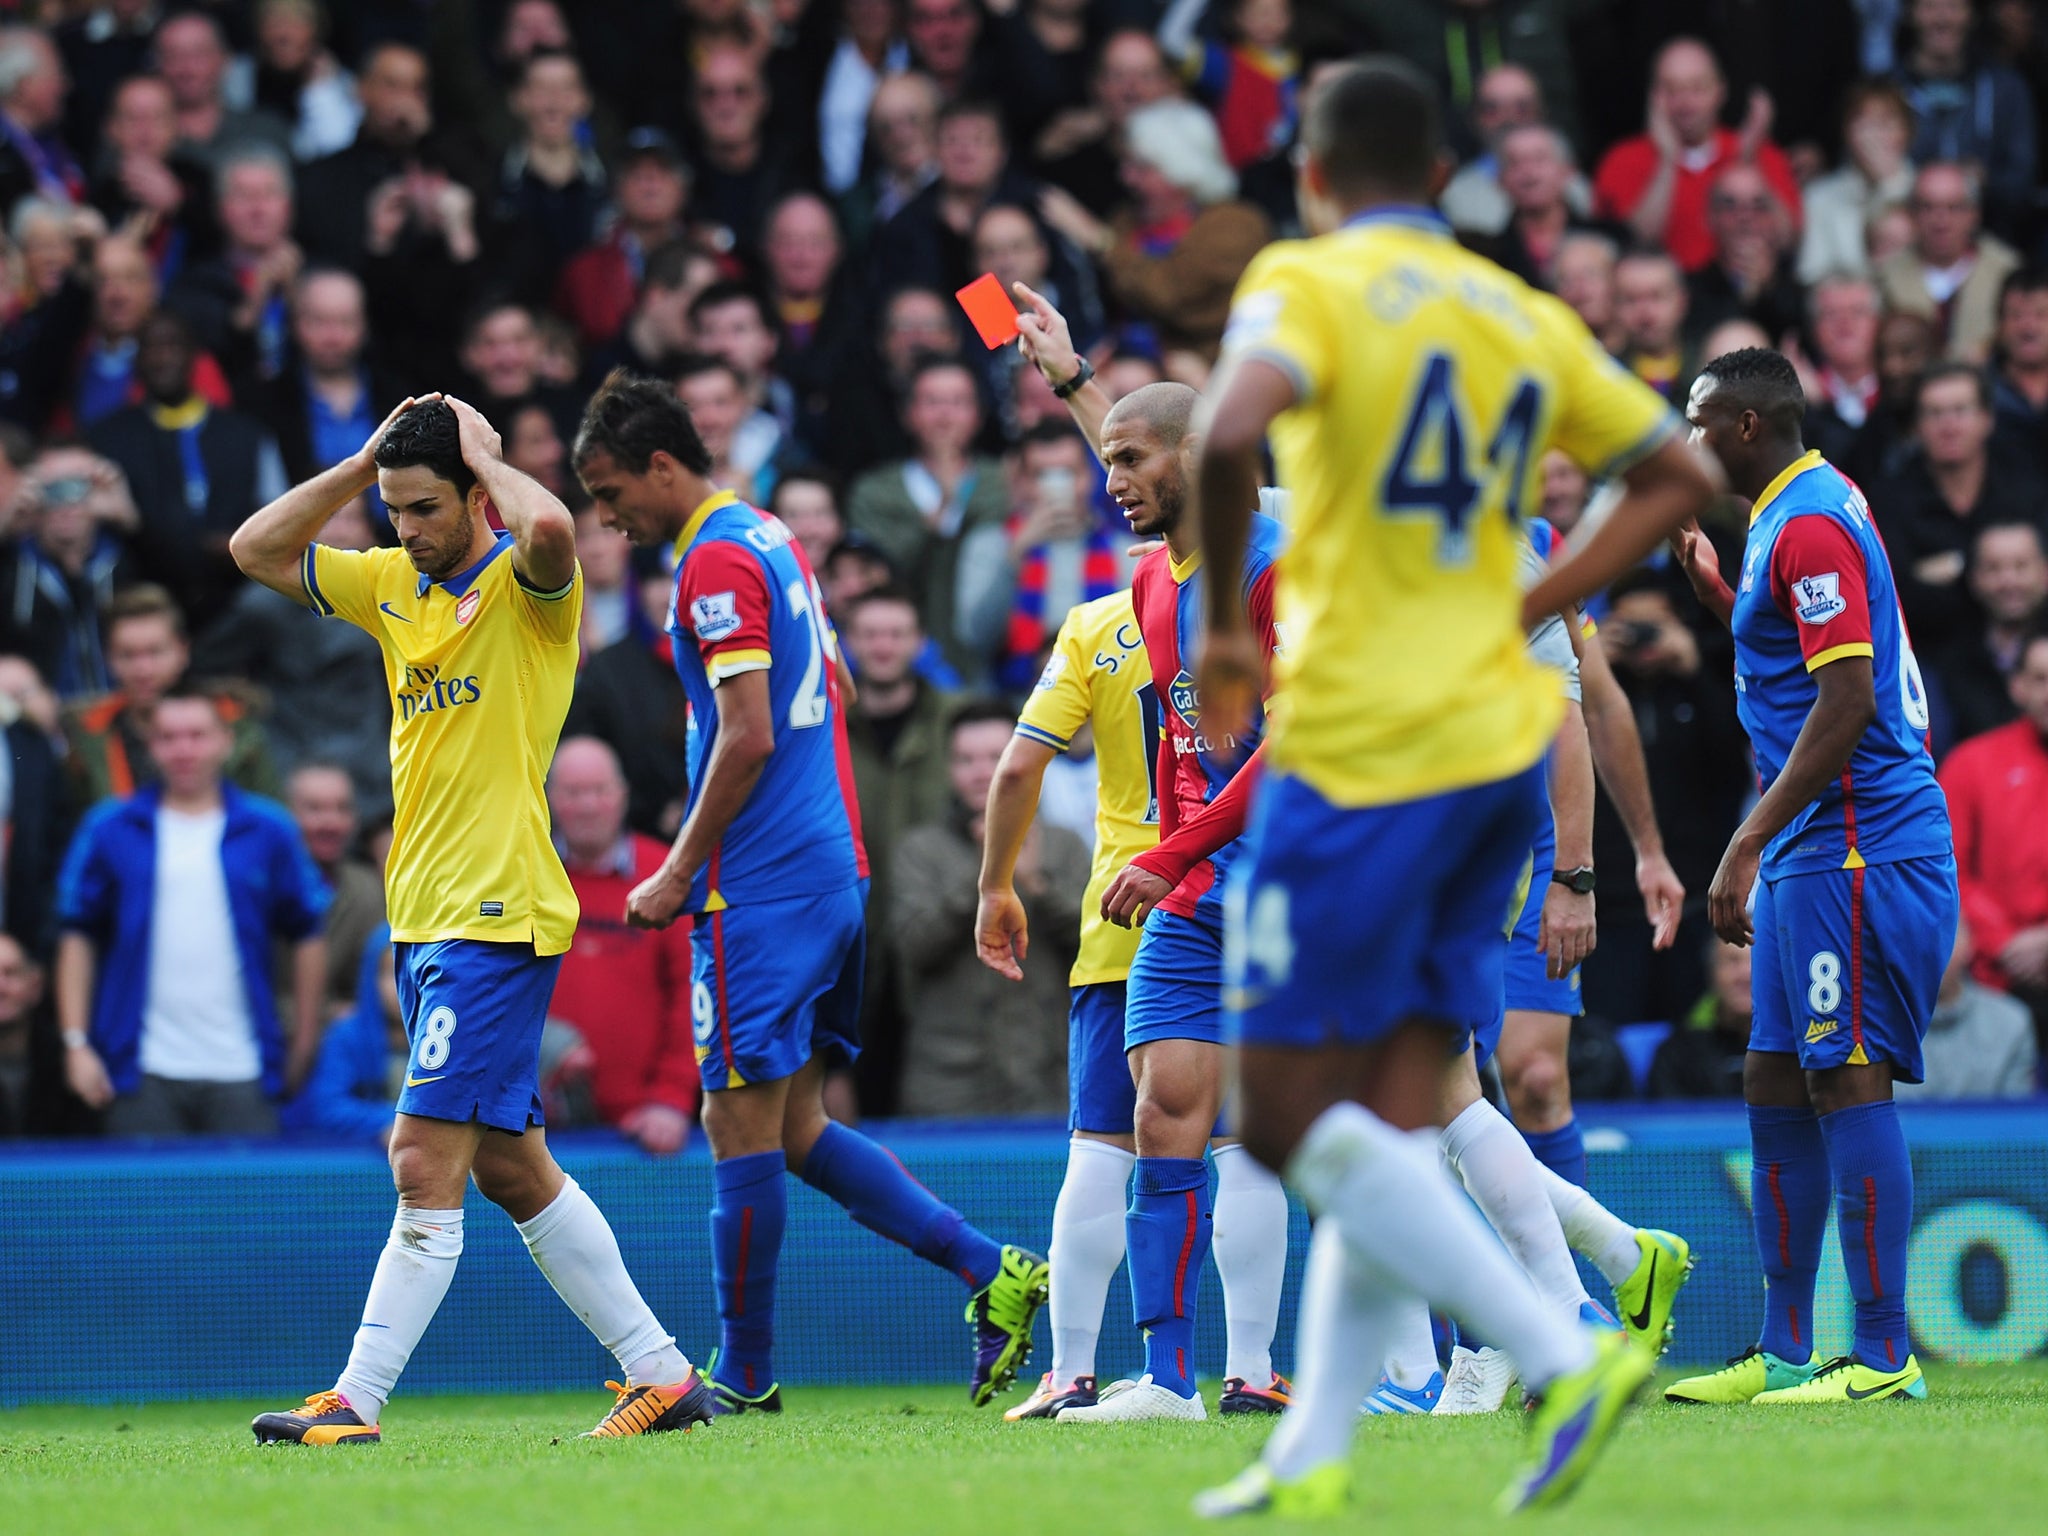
(1574, 1420)
(1002, 1316)
(1846, 1380)
(1644, 1300)
(1742, 1380)
(1321, 1493)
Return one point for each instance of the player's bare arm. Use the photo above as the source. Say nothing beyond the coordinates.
(543, 532)
(1665, 490)
(1566, 931)
(745, 742)
(1618, 758)
(1231, 672)
(1048, 345)
(1001, 934)
(270, 545)
(1837, 721)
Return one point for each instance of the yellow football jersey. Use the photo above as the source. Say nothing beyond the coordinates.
(1098, 672)
(1429, 383)
(481, 668)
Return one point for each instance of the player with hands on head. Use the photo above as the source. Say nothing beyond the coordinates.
(479, 633)
(1849, 859)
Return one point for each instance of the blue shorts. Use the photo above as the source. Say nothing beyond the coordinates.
(1347, 923)
(1528, 985)
(1848, 961)
(1176, 985)
(1100, 1094)
(774, 983)
(473, 1015)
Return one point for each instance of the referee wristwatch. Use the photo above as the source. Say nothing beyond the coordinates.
(1081, 376)
(1579, 880)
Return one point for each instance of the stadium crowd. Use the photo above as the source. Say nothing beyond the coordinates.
(236, 234)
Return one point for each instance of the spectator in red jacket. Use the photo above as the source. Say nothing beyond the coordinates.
(1997, 788)
(1657, 182)
(626, 990)
(600, 283)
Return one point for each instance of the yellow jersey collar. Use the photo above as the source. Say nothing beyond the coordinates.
(1181, 571)
(1811, 459)
(698, 518)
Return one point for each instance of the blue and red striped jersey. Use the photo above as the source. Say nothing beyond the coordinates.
(745, 601)
(1816, 587)
(1168, 600)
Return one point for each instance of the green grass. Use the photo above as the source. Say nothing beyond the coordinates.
(1972, 1458)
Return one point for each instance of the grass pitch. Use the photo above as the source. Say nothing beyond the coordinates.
(853, 1461)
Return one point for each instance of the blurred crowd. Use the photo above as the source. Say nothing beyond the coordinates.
(236, 233)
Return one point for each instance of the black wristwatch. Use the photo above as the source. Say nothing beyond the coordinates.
(1579, 880)
(1082, 376)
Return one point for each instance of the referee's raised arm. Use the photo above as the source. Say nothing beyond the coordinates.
(271, 544)
(543, 532)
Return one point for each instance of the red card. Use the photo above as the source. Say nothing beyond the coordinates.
(994, 316)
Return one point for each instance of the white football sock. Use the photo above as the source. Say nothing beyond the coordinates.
(412, 1276)
(1593, 1230)
(574, 1247)
(1396, 1205)
(1250, 1246)
(1411, 1351)
(1087, 1246)
(1349, 1311)
(1505, 1180)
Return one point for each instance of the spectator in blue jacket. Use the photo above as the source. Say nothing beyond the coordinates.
(169, 906)
(353, 1087)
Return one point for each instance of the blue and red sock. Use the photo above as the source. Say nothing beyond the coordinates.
(1168, 1230)
(1562, 1151)
(1789, 1184)
(1874, 1211)
(881, 1194)
(749, 1207)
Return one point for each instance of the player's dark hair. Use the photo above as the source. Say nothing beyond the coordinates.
(1376, 126)
(979, 710)
(1943, 372)
(1167, 408)
(631, 419)
(427, 436)
(732, 290)
(1761, 380)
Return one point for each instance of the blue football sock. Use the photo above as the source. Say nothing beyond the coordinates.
(1874, 1213)
(749, 1206)
(1788, 1197)
(880, 1194)
(1562, 1151)
(1168, 1232)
